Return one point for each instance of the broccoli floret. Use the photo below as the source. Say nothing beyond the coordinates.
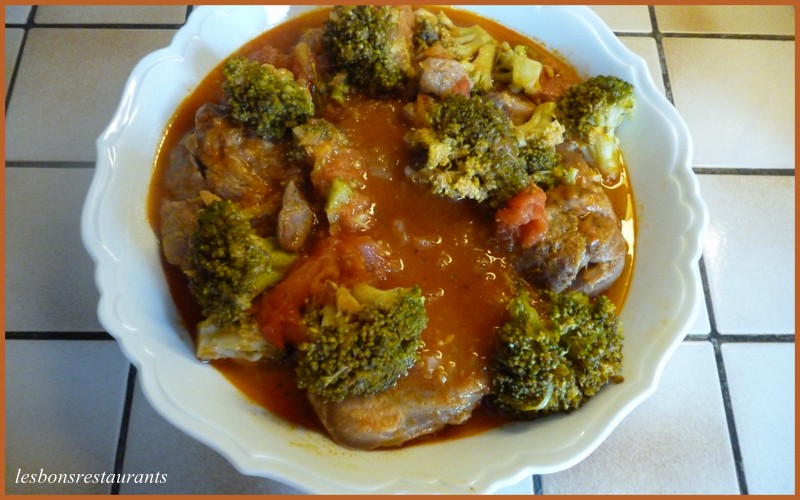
(542, 127)
(590, 112)
(265, 98)
(591, 333)
(230, 264)
(539, 137)
(514, 67)
(462, 42)
(339, 88)
(554, 359)
(241, 340)
(346, 208)
(361, 344)
(472, 151)
(427, 26)
(316, 139)
(472, 46)
(370, 44)
(545, 167)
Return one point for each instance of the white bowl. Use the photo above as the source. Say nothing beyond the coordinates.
(137, 309)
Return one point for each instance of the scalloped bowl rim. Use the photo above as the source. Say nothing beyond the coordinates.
(136, 309)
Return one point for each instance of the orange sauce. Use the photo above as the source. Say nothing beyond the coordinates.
(450, 255)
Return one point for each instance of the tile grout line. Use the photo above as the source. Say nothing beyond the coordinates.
(108, 26)
(714, 338)
(538, 488)
(662, 58)
(731, 36)
(726, 401)
(785, 172)
(119, 458)
(18, 61)
(58, 335)
(49, 164)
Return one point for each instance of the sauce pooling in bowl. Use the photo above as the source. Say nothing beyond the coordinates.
(447, 247)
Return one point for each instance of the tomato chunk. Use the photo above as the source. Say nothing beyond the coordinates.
(523, 218)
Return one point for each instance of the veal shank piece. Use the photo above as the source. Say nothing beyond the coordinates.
(419, 404)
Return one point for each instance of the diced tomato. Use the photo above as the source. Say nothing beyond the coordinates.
(279, 314)
(342, 162)
(523, 217)
(344, 260)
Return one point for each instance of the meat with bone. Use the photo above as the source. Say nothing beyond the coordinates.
(418, 405)
(583, 248)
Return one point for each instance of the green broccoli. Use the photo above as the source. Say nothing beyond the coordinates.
(266, 99)
(361, 344)
(542, 127)
(553, 360)
(590, 112)
(370, 44)
(472, 46)
(591, 333)
(427, 26)
(538, 137)
(545, 167)
(347, 208)
(514, 67)
(316, 139)
(229, 264)
(472, 151)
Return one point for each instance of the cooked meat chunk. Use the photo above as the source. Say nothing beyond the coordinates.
(236, 165)
(516, 107)
(583, 248)
(182, 178)
(295, 220)
(328, 153)
(178, 222)
(416, 406)
(440, 77)
(403, 36)
(419, 404)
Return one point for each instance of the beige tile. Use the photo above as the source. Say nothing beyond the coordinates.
(111, 14)
(49, 276)
(749, 252)
(676, 442)
(738, 19)
(761, 381)
(737, 97)
(68, 85)
(628, 18)
(17, 14)
(13, 41)
(64, 405)
(646, 48)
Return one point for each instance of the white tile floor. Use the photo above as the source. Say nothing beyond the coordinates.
(723, 418)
